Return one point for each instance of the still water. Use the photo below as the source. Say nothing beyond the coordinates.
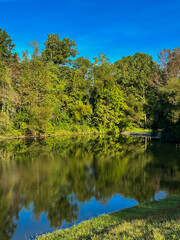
(54, 183)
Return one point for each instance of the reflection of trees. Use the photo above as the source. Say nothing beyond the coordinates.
(165, 166)
(54, 174)
(8, 215)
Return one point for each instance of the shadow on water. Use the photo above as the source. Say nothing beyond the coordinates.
(55, 176)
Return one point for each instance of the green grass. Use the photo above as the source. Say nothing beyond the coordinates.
(137, 130)
(75, 130)
(155, 220)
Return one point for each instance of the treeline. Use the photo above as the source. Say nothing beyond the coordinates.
(53, 90)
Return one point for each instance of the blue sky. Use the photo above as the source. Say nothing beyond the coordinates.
(117, 28)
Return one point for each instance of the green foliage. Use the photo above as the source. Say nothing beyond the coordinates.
(134, 112)
(7, 48)
(5, 123)
(109, 110)
(166, 107)
(48, 92)
(107, 98)
(171, 97)
(134, 72)
(8, 100)
(35, 101)
(133, 75)
(82, 63)
(59, 51)
(167, 111)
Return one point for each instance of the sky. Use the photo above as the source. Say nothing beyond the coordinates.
(115, 27)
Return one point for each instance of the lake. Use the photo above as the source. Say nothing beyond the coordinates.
(53, 183)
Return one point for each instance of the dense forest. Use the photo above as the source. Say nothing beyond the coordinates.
(54, 91)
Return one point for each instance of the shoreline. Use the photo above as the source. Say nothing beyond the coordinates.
(142, 134)
(49, 135)
(158, 218)
(126, 133)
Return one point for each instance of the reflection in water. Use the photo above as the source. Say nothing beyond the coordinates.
(56, 176)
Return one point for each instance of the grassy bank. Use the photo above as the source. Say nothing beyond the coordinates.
(155, 220)
(74, 130)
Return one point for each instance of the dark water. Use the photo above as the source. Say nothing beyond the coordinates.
(53, 183)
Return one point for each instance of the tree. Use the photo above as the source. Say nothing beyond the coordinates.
(77, 89)
(59, 51)
(7, 48)
(102, 76)
(8, 99)
(36, 49)
(106, 97)
(133, 75)
(82, 62)
(166, 106)
(109, 110)
(170, 63)
(167, 110)
(34, 88)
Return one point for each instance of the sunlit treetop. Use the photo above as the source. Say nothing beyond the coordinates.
(7, 47)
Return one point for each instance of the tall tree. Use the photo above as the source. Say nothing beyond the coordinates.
(166, 106)
(36, 49)
(7, 48)
(59, 51)
(8, 99)
(34, 86)
(106, 98)
(166, 113)
(133, 74)
(170, 63)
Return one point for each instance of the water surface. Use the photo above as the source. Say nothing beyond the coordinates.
(54, 183)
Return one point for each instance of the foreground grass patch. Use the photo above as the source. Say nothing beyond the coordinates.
(155, 220)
